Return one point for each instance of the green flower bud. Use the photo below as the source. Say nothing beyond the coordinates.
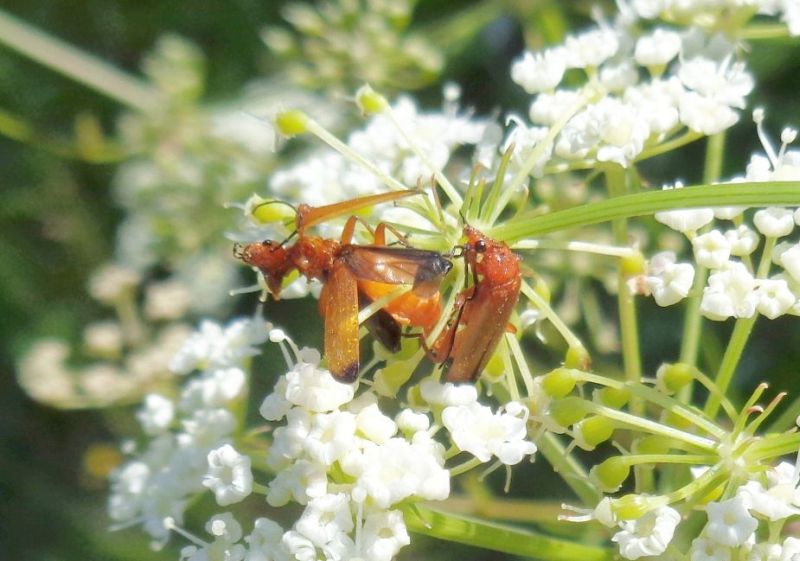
(567, 411)
(674, 420)
(616, 398)
(269, 211)
(633, 507)
(653, 444)
(593, 431)
(291, 123)
(633, 265)
(610, 474)
(672, 377)
(370, 101)
(578, 357)
(559, 383)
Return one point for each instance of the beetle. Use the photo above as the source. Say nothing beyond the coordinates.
(481, 311)
(354, 276)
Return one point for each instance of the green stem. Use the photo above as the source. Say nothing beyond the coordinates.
(692, 323)
(670, 145)
(765, 31)
(77, 64)
(741, 332)
(568, 468)
(629, 330)
(498, 537)
(768, 193)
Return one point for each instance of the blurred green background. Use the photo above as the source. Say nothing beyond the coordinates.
(58, 221)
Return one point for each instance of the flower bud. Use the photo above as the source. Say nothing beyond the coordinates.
(593, 431)
(672, 377)
(672, 419)
(578, 357)
(567, 411)
(268, 211)
(633, 507)
(653, 444)
(559, 383)
(616, 398)
(370, 101)
(634, 264)
(610, 474)
(291, 123)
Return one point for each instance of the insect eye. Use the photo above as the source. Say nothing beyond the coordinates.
(480, 246)
(267, 243)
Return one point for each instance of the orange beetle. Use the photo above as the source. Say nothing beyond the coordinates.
(354, 276)
(482, 310)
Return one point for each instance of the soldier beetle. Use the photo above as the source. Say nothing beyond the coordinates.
(354, 276)
(481, 311)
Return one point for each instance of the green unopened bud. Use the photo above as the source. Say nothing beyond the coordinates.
(674, 420)
(370, 101)
(495, 369)
(268, 211)
(389, 379)
(633, 507)
(593, 431)
(616, 398)
(633, 265)
(653, 444)
(568, 411)
(559, 383)
(291, 123)
(610, 474)
(672, 377)
(578, 357)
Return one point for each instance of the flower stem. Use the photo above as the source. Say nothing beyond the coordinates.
(629, 329)
(570, 470)
(77, 64)
(498, 537)
(741, 332)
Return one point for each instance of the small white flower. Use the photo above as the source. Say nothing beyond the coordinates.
(409, 421)
(216, 388)
(790, 260)
(383, 535)
(711, 250)
(774, 222)
(374, 425)
(590, 48)
(729, 522)
(774, 503)
(224, 526)
(704, 549)
(667, 281)
(648, 535)
(541, 71)
(743, 240)
(475, 429)
(332, 435)
(275, 406)
(207, 428)
(325, 518)
(548, 108)
(213, 346)
(301, 481)
(316, 390)
(688, 220)
(705, 115)
(156, 414)
(229, 475)
(264, 543)
(774, 297)
(658, 48)
(436, 393)
(730, 293)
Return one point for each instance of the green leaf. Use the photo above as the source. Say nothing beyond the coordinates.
(771, 193)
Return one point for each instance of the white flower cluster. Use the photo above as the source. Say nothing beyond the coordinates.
(732, 523)
(736, 287)
(190, 437)
(642, 90)
(713, 13)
